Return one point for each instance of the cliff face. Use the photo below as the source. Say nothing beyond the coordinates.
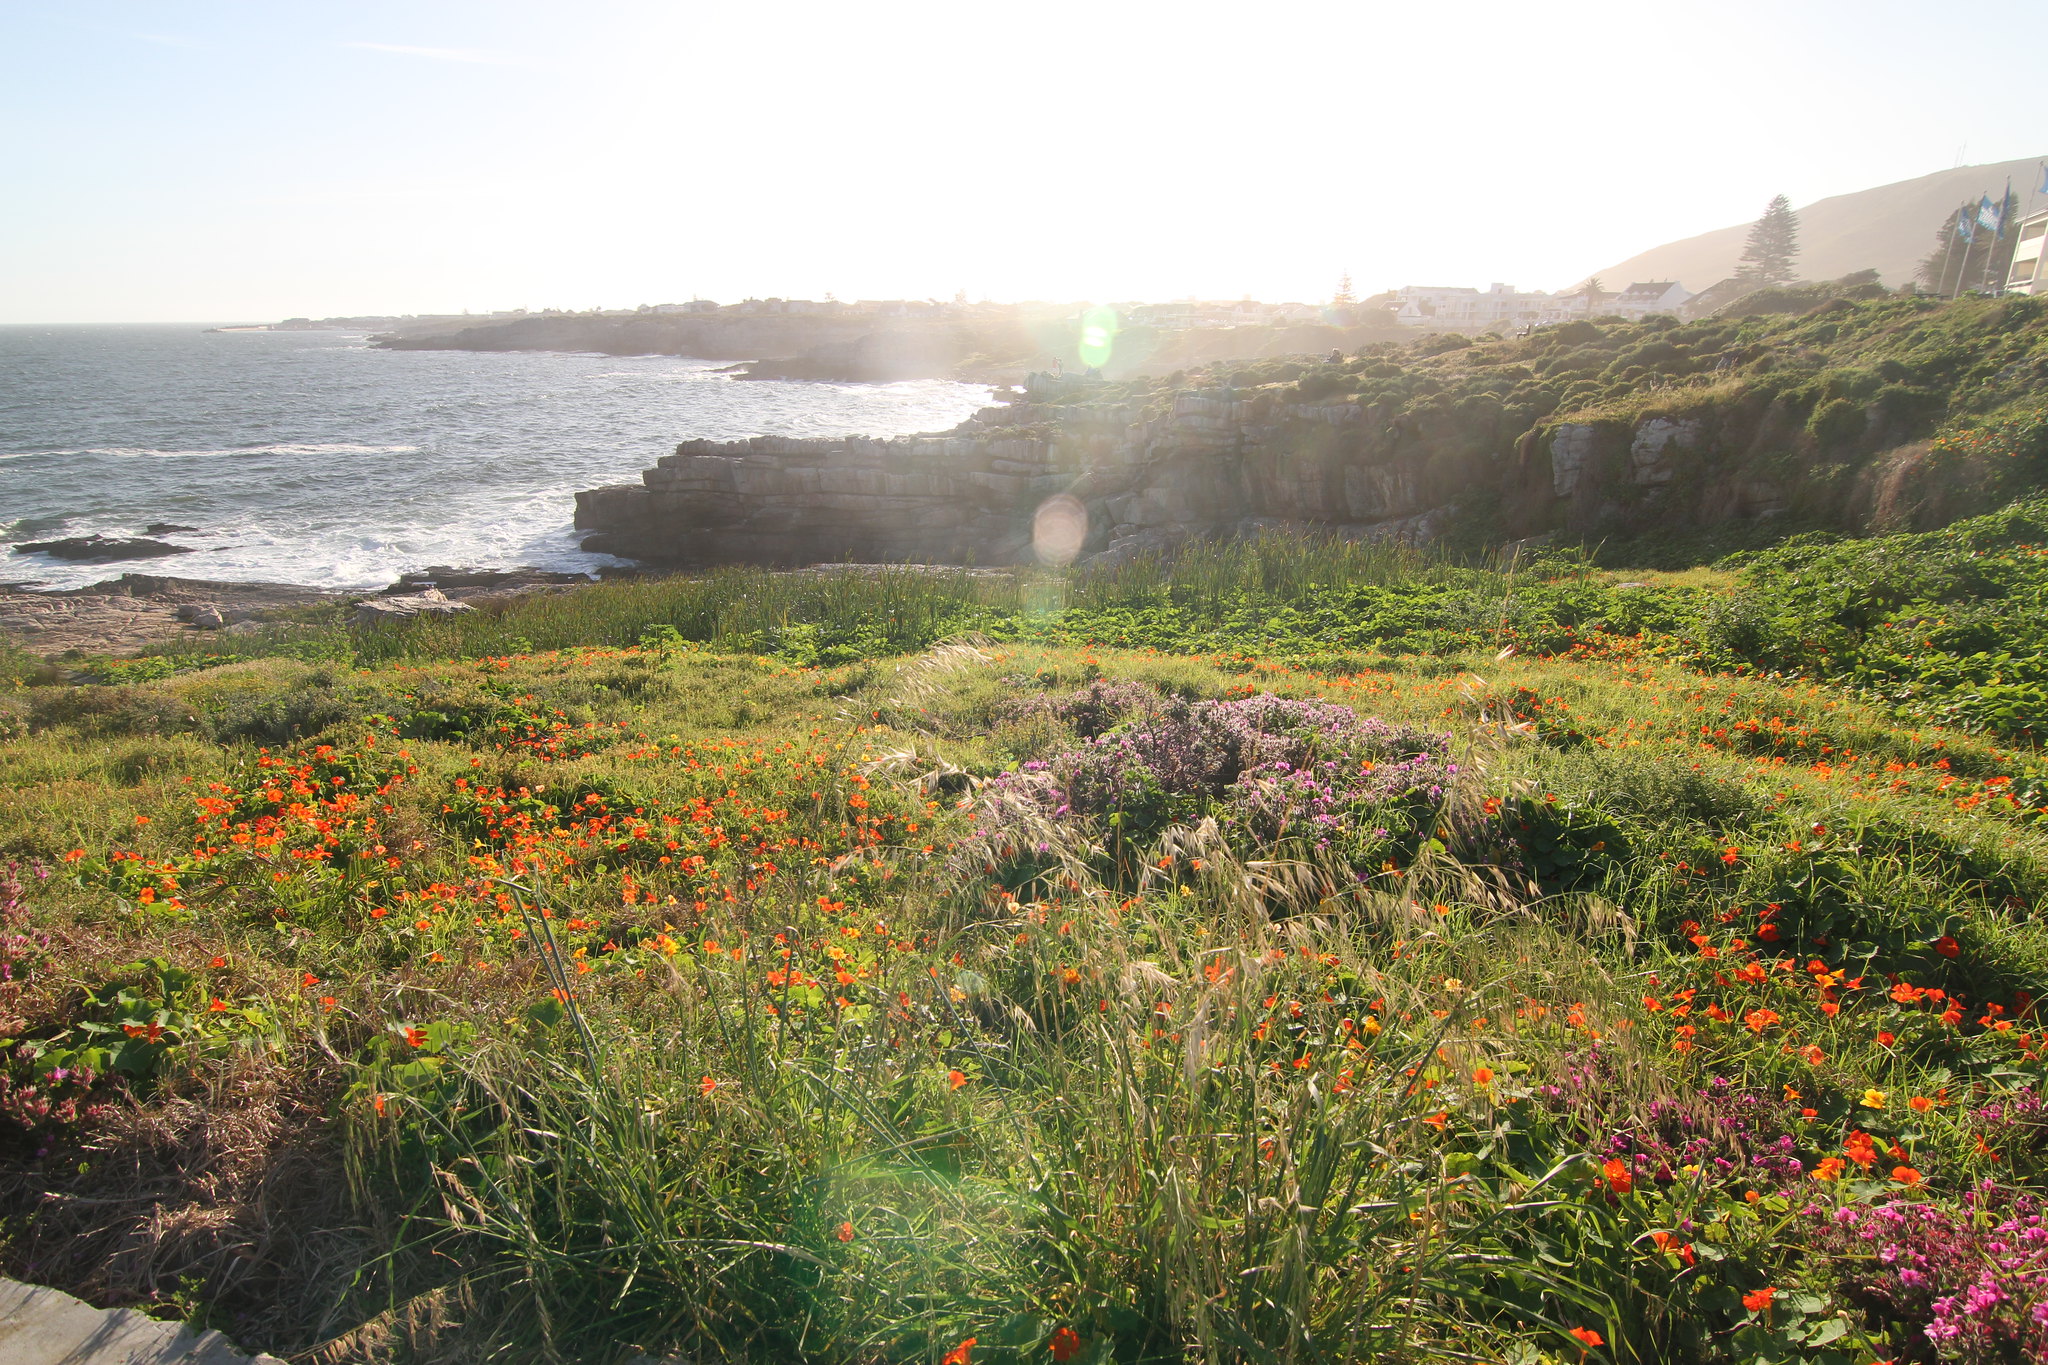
(1188, 464)
(1622, 429)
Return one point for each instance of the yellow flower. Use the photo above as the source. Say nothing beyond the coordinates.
(1453, 984)
(1873, 1099)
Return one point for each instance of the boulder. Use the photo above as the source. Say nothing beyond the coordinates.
(373, 611)
(447, 578)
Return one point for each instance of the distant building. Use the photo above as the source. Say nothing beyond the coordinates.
(1501, 305)
(693, 306)
(1652, 296)
(2029, 274)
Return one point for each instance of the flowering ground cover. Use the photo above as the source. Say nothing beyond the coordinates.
(1042, 997)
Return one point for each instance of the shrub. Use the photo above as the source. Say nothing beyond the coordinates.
(96, 710)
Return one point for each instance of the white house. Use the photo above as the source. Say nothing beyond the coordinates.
(1642, 299)
(2028, 274)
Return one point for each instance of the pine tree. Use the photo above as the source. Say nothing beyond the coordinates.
(1773, 242)
(1344, 293)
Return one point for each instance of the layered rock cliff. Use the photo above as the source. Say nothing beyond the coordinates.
(1143, 471)
(1590, 431)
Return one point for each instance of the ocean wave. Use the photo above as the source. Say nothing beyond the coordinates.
(139, 452)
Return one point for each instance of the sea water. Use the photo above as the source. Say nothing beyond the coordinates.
(311, 457)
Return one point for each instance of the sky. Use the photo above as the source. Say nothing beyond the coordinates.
(181, 160)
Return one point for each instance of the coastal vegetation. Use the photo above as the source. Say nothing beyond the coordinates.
(1294, 950)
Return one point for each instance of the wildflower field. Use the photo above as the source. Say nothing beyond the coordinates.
(1301, 952)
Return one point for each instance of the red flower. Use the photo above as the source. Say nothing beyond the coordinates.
(1618, 1177)
(1588, 1337)
(1947, 946)
(1759, 1300)
(1065, 1344)
(958, 1355)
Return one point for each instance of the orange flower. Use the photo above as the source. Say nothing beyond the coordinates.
(1618, 1176)
(844, 1232)
(1759, 1020)
(1906, 1175)
(706, 1086)
(955, 1079)
(1920, 1104)
(958, 1355)
(1065, 1344)
(416, 1037)
(1588, 1337)
(1829, 1168)
(1759, 1300)
(1482, 1075)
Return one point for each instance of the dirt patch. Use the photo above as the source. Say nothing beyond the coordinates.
(225, 1190)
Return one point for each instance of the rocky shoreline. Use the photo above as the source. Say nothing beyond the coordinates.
(134, 611)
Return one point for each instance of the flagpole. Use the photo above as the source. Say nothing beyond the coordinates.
(1995, 287)
(1952, 232)
(1958, 230)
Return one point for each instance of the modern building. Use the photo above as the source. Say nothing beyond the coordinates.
(2029, 272)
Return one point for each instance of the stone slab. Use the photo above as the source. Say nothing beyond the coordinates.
(40, 1326)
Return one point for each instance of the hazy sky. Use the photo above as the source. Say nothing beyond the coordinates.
(209, 159)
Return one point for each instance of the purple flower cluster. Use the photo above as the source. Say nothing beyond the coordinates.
(1729, 1130)
(1271, 770)
(1971, 1283)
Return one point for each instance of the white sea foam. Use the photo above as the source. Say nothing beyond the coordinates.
(364, 463)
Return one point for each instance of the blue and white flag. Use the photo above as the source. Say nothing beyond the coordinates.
(2044, 179)
(1966, 227)
(1988, 216)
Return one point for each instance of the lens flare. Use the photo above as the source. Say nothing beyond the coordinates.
(1098, 336)
(1058, 530)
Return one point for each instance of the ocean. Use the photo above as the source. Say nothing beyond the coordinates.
(309, 457)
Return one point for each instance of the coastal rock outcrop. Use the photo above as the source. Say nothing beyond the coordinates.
(1178, 464)
(97, 549)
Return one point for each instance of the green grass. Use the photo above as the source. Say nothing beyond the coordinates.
(633, 969)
